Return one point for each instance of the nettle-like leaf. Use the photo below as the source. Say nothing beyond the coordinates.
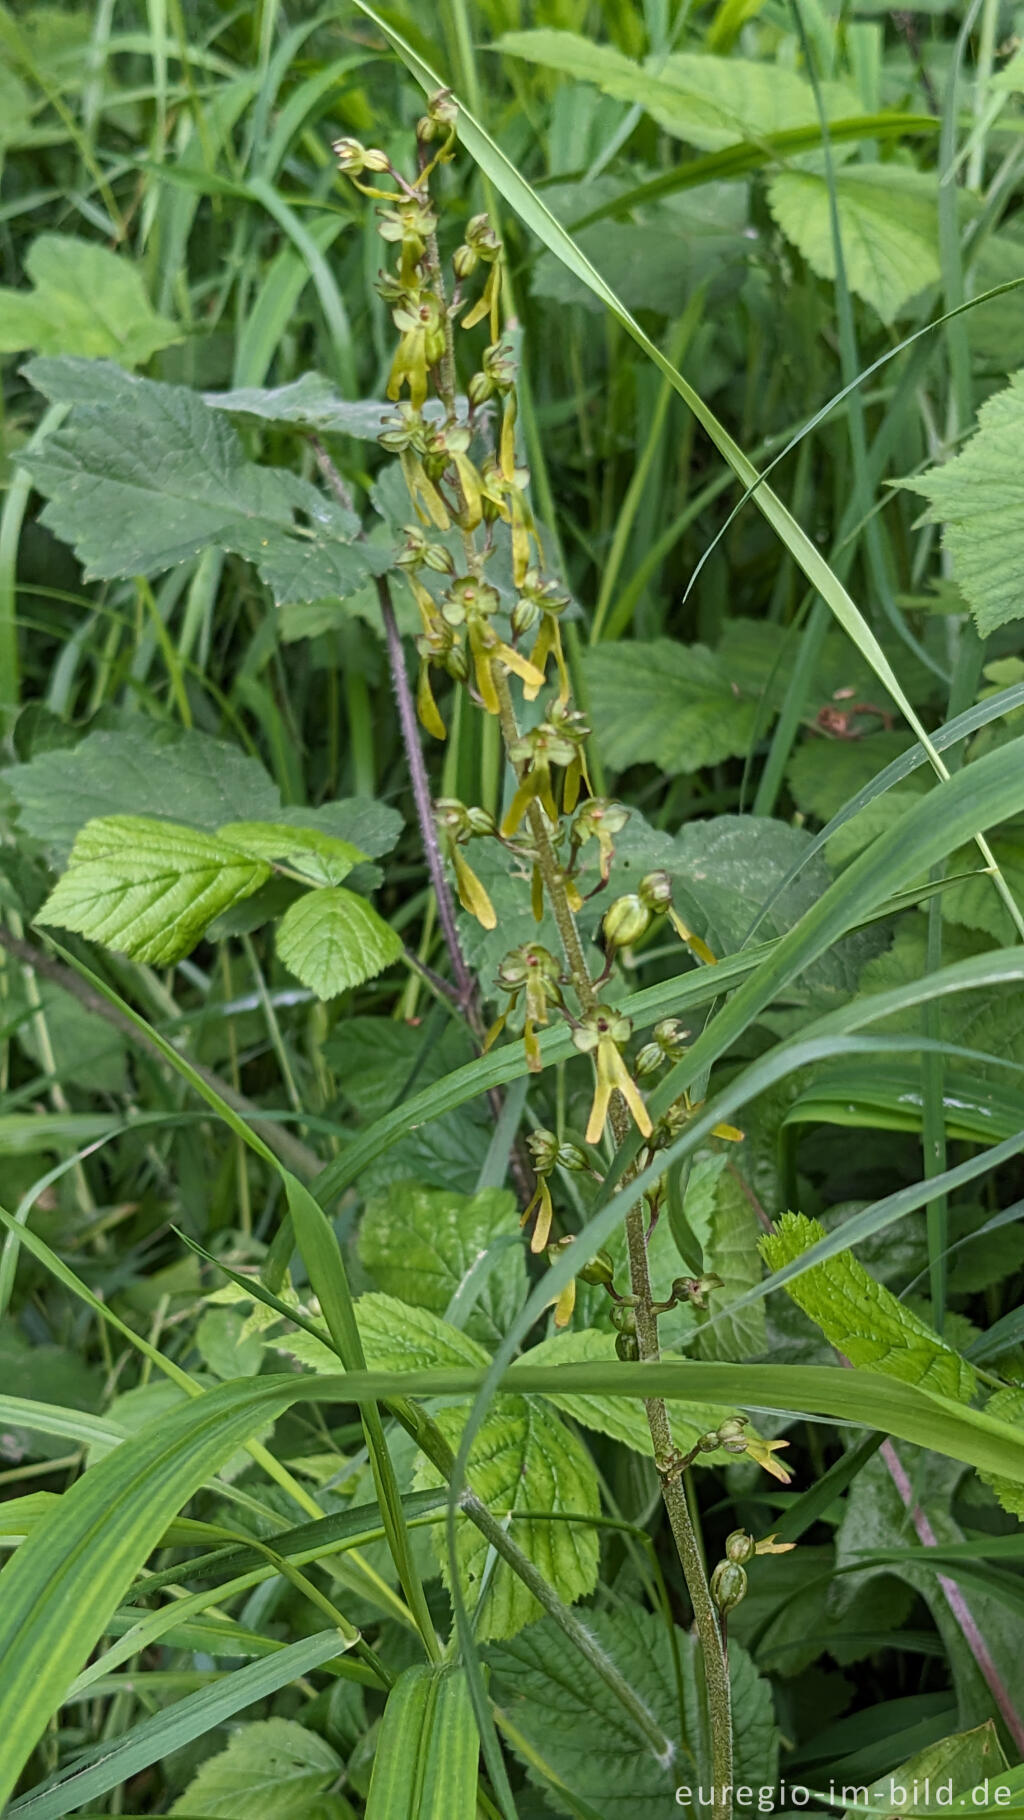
(523, 1458)
(730, 1247)
(85, 300)
(332, 940)
(862, 1318)
(270, 1770)
(149, 888)
(567, 1718)
(708, 101)
(666, 704)
(143, 476)
(421, 1245)
(978, 498)
(313, 403)
(888, 224)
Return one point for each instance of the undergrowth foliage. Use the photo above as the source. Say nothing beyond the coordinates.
(512, 966)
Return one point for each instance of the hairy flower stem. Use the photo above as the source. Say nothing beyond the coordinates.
(712, 1642)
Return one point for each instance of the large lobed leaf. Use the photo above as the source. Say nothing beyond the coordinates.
(85, 300)
(143, 476)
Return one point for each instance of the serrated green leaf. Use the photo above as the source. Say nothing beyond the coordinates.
(333, 939)
(888, 223)
(395, 1337)
(978, 498)
(420, 1244)
(666, 704)
(142, 476)
(731, 1249)
(425, 1766)
(271, 1770)
(709, 101)
(85, 300)
(522, 1459)
(321, 857)
(566, 1714)
(1008, 1405)
(620, 1417)
(862, 1318)
(145, 770)
(148, 888)
(310, 402)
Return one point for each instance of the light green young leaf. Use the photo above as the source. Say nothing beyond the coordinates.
(568, 1717)
(979, 499)
(333, 939)
(425, 1765)
(888, 222)
(143, 476)
(395, 1337)
(420, 1244)
(85, 300)
(148, 888)
(270, 1770)
(863, 1319)
(323, 858)
(709, 101)
(666, 704)
(1008, 1405)
(522, 1459)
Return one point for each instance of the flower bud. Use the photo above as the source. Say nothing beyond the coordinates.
(481, 821)
(728, 1586)
(524, 616)
(649, 1059)
(600, 1271)
(543, 1148)
(655, 890)
(480, 389)
(625, 921)
(481, 237)
(740, 1547)
(627, 1348)
(354, 158)
(623, 1318)
(464, 261)
(670, 1038)
(696, 1289)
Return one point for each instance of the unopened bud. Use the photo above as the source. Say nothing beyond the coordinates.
(354, 158)
(623, 1318)
(655, 890)
(740, 1547)
(728, 1586)
(696, 1289)
(649, 1059)
(627, 1348)
(464, 261)
(524, 616)
(625, 921)
(480, 389)
(600, 1271)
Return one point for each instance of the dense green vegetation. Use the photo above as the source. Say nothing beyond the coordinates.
(511, 909)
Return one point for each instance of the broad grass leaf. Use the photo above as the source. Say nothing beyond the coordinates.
(955, 1765)
(142, 476)
(863, 1319)
(84, 300)
(420, 1244)
(568, 1717)
(271, 1770)
(888, 223)
(523, 1458)
(332, 939)
(425, 1765)
(978, 497)
(149, 888)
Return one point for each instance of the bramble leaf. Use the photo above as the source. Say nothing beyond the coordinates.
(421, 1244)
(888, 223)
(862, 1318)
(666, 704)
(978, 498)
(333, 939)
(149, 888)
(85, 300)
(270, 1770)
(320, 857)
